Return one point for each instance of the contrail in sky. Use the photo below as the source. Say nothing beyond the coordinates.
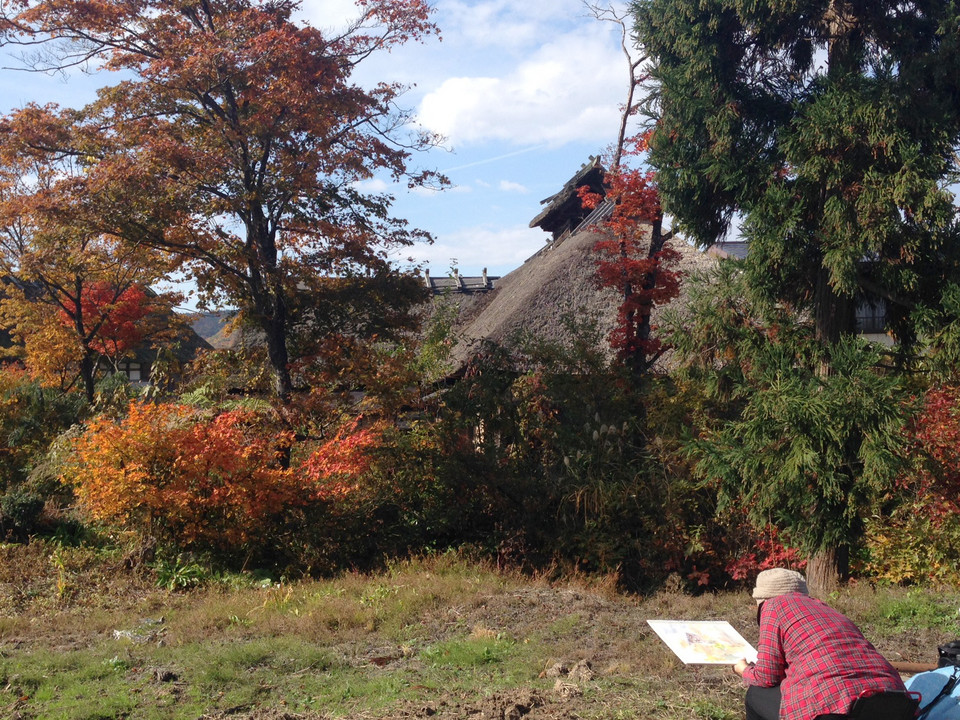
(495, 159)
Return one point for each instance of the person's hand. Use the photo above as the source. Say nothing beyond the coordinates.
(740, 666)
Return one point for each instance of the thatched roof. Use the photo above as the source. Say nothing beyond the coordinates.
(184, 342)
(218, 329)
(557, 281)
(733, 249)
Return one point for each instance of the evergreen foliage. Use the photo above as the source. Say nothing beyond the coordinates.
(826, 129)
(939, 327)
(830, 127)
(31, 417)
(810, 452)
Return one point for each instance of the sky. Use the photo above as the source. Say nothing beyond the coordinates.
(523, 91)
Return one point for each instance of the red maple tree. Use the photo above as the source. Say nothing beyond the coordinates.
(74, 290)
(635, 259)
(116, 315)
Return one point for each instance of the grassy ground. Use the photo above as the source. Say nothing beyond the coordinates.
(81, 636)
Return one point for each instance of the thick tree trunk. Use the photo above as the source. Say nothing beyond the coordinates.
(827, 569)
(846, 39)
(834, 317)
(269, 297)
(276, 332)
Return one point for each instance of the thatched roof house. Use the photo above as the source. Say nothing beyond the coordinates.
(558, 280)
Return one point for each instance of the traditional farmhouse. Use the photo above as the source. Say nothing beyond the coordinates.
(559, 280)
(181, 345)
(871, 316)
(535, 299)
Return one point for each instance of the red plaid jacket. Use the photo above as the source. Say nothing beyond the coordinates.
(819, 658)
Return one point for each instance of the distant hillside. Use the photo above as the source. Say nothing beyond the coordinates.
(214, 328)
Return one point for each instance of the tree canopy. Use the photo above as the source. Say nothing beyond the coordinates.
(829, 127)
(827, 131)
(237, 141)
(73, 295)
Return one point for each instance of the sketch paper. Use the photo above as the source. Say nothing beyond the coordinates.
(704, 642)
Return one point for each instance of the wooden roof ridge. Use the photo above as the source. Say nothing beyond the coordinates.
(563, 211)
(601, 212)
(455, 282)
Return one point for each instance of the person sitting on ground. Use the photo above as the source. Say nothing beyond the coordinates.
(811, 659)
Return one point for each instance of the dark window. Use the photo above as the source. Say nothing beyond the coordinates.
(871, 316)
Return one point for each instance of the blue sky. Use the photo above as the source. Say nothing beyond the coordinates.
(524, 91)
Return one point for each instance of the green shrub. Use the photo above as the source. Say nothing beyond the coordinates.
(912, 545)
(579, 461)
(20, 511)
(31, 417)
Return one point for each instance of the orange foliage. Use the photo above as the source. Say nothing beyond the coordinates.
(918, 540)
(337, 467)
(206, 482)
(936, 433)
(236, 142)
(49, 350)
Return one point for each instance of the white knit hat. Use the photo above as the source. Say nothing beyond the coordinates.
(778, 581)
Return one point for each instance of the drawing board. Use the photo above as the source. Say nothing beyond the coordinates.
(704, 642)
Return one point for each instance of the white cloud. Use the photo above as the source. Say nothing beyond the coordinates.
(509, 186)
(374, 185)
(524, 73)
(534, 78)
(439, 192)
(500, 250)
(327, 14)
(567, 90)
(505, 24)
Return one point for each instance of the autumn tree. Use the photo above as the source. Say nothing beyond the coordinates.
(635, 256)
(74, 333)
(202, 483)
(73, 295)
(240, 128)
(828, 128)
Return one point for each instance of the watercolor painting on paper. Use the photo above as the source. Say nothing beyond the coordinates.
(704, 642)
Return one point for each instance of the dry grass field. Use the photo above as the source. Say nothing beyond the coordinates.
(83, 636)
